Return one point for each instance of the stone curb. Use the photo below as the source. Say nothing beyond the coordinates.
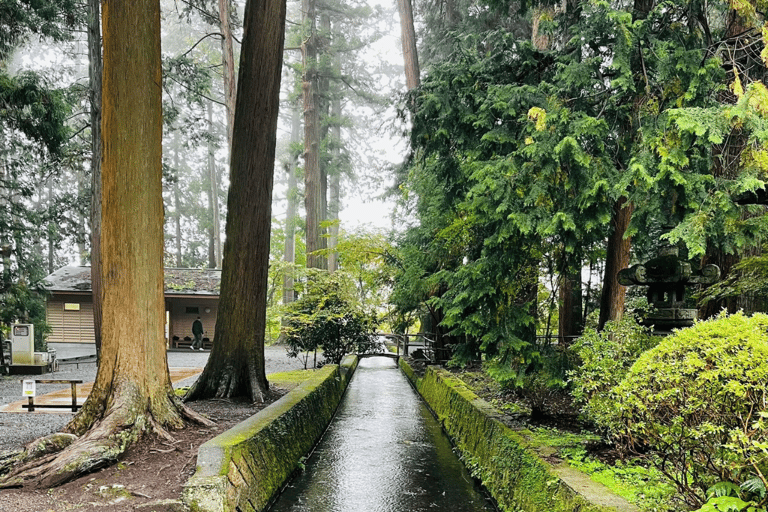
(513, 471)
(245, 467)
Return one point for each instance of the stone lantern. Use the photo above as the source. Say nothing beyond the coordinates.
(667, 278)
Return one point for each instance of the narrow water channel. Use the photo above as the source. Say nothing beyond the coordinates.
(383, 452)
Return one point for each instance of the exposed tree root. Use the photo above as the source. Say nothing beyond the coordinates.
(59, 458)
(228, 384)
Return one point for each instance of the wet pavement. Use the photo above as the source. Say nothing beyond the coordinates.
(383, 452)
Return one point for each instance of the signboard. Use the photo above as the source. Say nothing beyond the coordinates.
(28, 388)
(22, 344)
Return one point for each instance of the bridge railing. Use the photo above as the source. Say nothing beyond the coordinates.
(407, 342)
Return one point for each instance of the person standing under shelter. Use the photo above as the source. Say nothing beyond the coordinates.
(197, 332)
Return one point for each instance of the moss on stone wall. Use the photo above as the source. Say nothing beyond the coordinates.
(495, 454)
(244, 467)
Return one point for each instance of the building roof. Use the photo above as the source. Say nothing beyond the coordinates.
(178, 281)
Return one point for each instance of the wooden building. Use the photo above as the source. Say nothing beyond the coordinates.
(189, 293)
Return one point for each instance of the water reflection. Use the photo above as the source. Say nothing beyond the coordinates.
(383, 452)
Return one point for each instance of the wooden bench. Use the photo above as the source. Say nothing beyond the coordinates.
(186, 343)
(73, 385)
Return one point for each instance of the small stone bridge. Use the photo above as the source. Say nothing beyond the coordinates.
(404, 346)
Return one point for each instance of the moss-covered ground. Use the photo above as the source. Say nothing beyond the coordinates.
(633, 478)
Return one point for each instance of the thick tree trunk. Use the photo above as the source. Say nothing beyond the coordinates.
(408, 36)
(617, 258)
(236, 365)
(132, 394)
(94, 75)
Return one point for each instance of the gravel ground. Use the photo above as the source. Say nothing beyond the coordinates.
(18, 429)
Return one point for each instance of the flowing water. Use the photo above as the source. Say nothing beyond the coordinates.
(383, 452)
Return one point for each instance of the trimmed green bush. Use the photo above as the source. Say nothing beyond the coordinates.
(699, 401)
(605, 358)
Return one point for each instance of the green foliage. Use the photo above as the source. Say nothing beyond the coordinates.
(605, 358)
(749, 277)
(728, 497)
(635, 480)
(518, 151)
(51, 19)
(34, 108)
(327, 316)
(364, 255)
(698, 400)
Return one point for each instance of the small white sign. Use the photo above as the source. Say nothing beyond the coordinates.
(28, 388)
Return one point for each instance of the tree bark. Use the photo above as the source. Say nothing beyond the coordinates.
(408, 37)
(291, 214)
(177, 202)
(94, 75)
(213, 196)
(569, 317)
(313, 200)
(334, 180)
(617, 258)
(236, 365)
(228, 64)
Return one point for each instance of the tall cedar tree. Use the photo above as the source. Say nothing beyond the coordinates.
(236, 365)
(313, 185)
(132, 395)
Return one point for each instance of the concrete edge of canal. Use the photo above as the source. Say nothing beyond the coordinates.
(512, 471)
(245, 467)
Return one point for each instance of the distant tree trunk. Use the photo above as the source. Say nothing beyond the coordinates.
(570, 306)
(313, 193)
(84, 221)
(51, 230)
(540, 40)
(228, 65)
(132, 394)
(324, 105)
(617, 258)
(289, 253)
(214, 252)
(408, 36)
(94, 75)
(236, 365)
(177, 202)
(334, 184)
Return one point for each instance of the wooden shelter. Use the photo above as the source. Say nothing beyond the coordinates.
(189, 293)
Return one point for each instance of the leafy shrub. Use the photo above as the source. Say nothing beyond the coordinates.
(729, 497)
(699, 400)
(605, 358)
(327, 316)
(537, 378)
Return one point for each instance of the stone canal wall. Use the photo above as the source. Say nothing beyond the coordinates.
(513, 471)
(244, 467)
